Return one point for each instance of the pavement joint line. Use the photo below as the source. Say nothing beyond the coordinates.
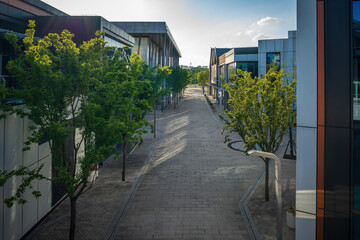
(211, 112)
(121, 214)
(243, 205)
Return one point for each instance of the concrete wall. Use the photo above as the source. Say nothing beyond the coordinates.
(16, 221)
(306, 163)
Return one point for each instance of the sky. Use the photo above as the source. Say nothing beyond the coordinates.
(198, 25)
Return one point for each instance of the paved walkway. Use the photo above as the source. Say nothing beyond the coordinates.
(189, 189)
(194, 183)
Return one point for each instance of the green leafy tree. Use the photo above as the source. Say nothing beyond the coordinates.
(138, 96)
(177, 82)
(161, 74)
(57, 81)
(203, 78)
(261, 110)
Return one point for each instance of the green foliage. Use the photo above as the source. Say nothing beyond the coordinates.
(27, 176)
(178, 79)
(261, 109)
(203, 77)
(77, 92)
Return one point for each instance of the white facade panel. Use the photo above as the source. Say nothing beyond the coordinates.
(13, 215)
(31, 156)
(30, 208)
(288, 59)
(270, 46)
(262, 46)
(44, 150)
(44, 202)
(13, 141)
(279, 45)
(306, 169)
(262, 71)
(230, 59)
(252, 57)
(262, 60)
(306, 63)
(305, 226)
(289, 45)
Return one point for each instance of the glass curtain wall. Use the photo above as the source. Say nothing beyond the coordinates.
(213, 74)
(113, 43)
(272, 59)
(141, 47)
(231, 70)
(251, 66)
(356, 117)
(248, 67)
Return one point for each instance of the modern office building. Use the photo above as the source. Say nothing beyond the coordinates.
(328, 120)
(153, 42)
(84, 28)
(281, 52)
(225, 62)
(214, 69)
(14, 130)
(16, 221)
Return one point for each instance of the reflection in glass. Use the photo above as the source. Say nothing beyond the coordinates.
(272, 59)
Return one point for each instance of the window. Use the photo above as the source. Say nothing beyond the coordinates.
(272, 59)
(231, 70)
(248, 67)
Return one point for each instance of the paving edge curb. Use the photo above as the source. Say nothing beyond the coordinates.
(243, 205)
(216, 118)
(121, 213)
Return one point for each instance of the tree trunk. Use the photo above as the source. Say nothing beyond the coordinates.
(154, 120)
(174, 97)
(203, 89)
(267, 179)
(124, 161)
(72, 218)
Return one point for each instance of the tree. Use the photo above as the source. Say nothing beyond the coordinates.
(203, 78)
(261, 110)
(58, 83)
(178, 81)
(160, 76)
(138, 93)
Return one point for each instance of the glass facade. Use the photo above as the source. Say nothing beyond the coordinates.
(251, 66)
(222, 73)
(213, 74)
(248, 67)
(231, 70)
(356, 117)
(273, 59)
(113, 43)
(142, 49)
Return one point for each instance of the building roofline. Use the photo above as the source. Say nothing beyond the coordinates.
(162, 27)
(46, 7)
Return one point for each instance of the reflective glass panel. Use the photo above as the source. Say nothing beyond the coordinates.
(273, 59)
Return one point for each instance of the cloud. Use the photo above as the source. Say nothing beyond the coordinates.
(250, 32)
(260, 36)
(267, 20)
(239, 33)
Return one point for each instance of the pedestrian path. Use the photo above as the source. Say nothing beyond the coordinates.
(194, 181)
(190, 188)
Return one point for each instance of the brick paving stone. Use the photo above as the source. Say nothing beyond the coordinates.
(194, 181)
(191, 188)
